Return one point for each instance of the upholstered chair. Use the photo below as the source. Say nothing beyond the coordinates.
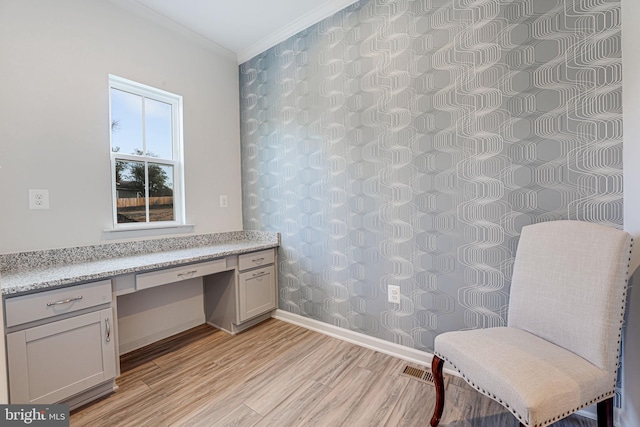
(559, 351)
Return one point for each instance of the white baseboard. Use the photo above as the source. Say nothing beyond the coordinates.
(623, 419)
(589, 412)
(392, 349)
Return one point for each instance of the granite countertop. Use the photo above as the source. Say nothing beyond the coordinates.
(40, 270)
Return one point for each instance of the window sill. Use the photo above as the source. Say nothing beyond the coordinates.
(145, 231)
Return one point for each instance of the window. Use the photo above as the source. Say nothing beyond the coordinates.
(146, 155)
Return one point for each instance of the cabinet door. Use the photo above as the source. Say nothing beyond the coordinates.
(256, 293)
(52, 362)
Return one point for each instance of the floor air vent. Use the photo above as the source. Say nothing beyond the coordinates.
(422, 375)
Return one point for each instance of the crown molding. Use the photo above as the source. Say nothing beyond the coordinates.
(159, 19)
(302, 23)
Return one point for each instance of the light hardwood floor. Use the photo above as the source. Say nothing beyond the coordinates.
(279, 375)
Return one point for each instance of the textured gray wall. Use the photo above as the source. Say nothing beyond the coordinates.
(408, 142)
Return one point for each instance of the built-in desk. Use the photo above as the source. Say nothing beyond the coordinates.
(236, 291)
(56, 298)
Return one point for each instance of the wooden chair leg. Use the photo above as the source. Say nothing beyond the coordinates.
(605, 413)
(438, 379)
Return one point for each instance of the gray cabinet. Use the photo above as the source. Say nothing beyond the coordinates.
(256, 293)
(238, 299)
(52, 358)
(256, 284)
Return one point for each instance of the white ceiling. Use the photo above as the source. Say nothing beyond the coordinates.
(244, 27)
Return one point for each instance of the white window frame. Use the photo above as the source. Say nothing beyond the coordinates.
(177, 162)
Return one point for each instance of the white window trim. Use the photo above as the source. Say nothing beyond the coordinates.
(176, 102)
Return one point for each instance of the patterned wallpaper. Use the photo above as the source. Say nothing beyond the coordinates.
(407, 143)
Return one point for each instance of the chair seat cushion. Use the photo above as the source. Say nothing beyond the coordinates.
(536, 380)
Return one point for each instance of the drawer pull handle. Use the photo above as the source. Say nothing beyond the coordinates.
(258, 259)
(259, 274)
(107, 328)
(188, 274)
(64, 301)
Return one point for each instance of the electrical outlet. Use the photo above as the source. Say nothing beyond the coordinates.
(224, 201)
(38, 199)
(394, 294)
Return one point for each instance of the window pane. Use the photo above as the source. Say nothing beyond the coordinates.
(126, 122)
(161, 192)
(144, 141)
(130, 200)
(159, 138)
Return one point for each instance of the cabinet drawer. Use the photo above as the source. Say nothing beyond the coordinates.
(42, 305)
(170, 275)
(255, 259)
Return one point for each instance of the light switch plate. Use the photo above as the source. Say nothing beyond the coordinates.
(394, 294)
(38, 199)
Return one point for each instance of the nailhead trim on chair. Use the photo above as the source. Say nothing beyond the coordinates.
(592, 401)
(515, 413)
(624, 303)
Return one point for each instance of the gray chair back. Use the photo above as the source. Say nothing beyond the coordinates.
(569, 287)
